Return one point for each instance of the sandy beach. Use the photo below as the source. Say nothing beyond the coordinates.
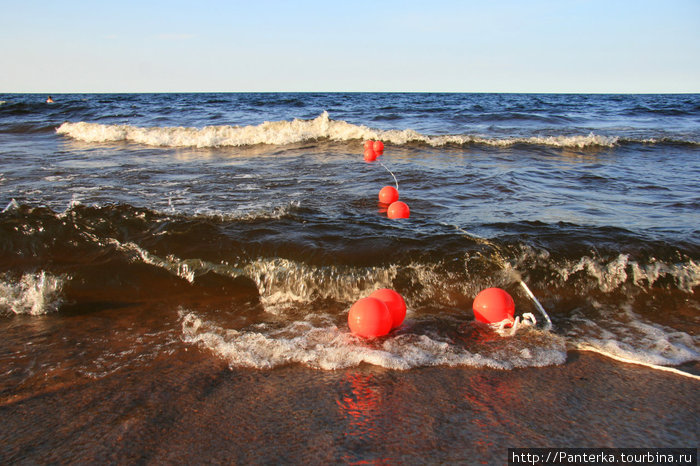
(191, 408)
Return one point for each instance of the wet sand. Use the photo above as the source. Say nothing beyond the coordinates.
(190, 407)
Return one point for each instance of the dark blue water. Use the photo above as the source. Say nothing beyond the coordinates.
(262, 203)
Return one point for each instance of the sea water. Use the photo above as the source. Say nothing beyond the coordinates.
(246, 225)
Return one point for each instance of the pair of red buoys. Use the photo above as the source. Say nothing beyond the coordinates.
(377, 314)
(373, 149)
(388, 195)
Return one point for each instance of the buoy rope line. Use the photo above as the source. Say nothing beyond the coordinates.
(539, 307)
(529, 320)
(500, 260)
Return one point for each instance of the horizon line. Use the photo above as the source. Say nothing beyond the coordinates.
(358, 92)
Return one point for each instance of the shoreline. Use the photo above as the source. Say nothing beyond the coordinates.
(189, 407)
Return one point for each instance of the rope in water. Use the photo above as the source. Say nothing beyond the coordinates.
(392, 175)
(593, 349)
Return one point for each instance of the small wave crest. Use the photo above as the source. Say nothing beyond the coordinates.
(282, 283)
(33, 294)
(296, 131)
(319, 343)
(612, 273)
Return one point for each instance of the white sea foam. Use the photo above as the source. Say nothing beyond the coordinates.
(686, 275)
(623, 333)
(322, 345)
(610, 275)
(318, 341)
(283, 283)
(11, 206)
(32, 294)
(295, 131)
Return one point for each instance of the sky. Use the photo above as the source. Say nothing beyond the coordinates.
(628, 46)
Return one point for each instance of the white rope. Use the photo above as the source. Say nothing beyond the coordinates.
(506, 265)
(392, 175)
(537, 305)
(593, 349)
(508, 327)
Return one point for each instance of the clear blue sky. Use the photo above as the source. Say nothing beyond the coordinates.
(356, 45)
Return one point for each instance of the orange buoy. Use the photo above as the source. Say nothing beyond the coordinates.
(369, 144)
(388, 195)
(370, 155)
(369, 317)
(378, 147)
(394, 302)
(493, 305)
(397, 210)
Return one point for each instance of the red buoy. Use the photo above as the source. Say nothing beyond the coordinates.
(493, 305)
(370, 155)
(369, 317)
(369, 144)
(388, 195)
(398, 209)
(394, 302)
(378, 147)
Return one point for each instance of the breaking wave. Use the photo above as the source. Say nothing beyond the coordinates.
(296, 131)
(33, 294)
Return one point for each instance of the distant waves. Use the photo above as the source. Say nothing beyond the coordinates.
(297, 130)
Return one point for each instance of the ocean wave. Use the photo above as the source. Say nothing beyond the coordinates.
(284, 284)
(296, 131)
(269, 132)
(318, 342)
(33, 294)
(285, 279)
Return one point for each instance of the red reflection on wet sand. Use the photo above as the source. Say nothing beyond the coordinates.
(491, 397)
(361, 407)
